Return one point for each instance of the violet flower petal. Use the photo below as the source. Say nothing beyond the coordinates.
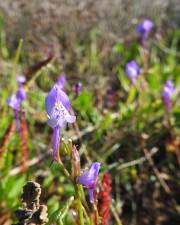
(20, 80)
(69, 118)
(132, 70)
(54, 96)
(61, 81)
(167, 94)
(89, 179)
(63, 98)
(21, 94)
(145, 28)
(60, 116)
(13, 102)
(16, 100)
(52, 122)
(91, 195)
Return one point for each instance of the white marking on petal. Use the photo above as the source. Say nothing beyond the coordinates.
(61, 115)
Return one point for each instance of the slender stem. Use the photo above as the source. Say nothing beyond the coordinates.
(64, 170)
(28, 84)
(77, 188)
(83, 198)
(116, 217)
(86, 215)
(80, 207)
(96, 213)
(167, 118)
(16, 59)
(91, 220)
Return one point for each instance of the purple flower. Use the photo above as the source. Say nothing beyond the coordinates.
(77, 89)
(57, 107)
(132, 70)
(167, 94)
(16, 100)
(20, 80)
(89, 179)
(145, 28)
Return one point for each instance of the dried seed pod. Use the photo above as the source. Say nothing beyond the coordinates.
(32, 212)
(31, 194)
(40, 215)
(23, 214)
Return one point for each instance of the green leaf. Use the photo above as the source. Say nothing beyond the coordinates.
(119, 48)
(154, 78)
(132, 94)
(14, 186)
(59, 214)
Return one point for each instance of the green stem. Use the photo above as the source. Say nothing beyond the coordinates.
(62, 167)
(80, 207)
(116, 217)
(16, 59)
(87, 217)
(64, 170)
(78, 188)
(91, 221)
(37, 74)
(97, 214)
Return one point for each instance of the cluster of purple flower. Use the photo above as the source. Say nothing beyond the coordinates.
(58, 108)
(132, 69)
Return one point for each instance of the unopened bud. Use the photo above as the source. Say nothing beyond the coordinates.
(75, 161)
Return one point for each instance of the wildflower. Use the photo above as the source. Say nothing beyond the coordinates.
(132, 70)
(167, 94)
(104, 199)
(20, 80)
(89, 179)
(77, 89)
(16, 100)
(145, 28)
(57, 106)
